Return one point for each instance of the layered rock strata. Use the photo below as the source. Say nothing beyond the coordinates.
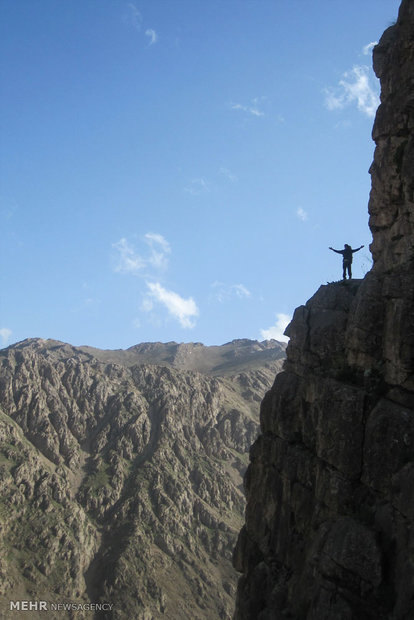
(329, 531)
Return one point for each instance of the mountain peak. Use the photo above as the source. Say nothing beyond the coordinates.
(122, 472)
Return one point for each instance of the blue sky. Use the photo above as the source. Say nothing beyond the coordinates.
(177, 169)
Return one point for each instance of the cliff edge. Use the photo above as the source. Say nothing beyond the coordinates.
(330, 487)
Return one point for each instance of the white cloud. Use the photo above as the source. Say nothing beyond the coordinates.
(129, 260)
(254, 109)
(240, 290)
(276, 331)
(159, 247)
(147, 263)
(367, 49)
(256, 112)
(302, 215)
(228, 174)
(197, 187)
(354, 87)
(184, 310)
(157, 238)
(133, 17)
(5, 335)
(224, 292)
(153, 37)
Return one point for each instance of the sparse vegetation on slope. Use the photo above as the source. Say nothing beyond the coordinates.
(122, 482)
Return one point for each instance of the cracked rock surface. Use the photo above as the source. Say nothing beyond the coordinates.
(329, 531)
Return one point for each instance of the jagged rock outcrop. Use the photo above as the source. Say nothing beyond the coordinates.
(329, 530)
(121, 479)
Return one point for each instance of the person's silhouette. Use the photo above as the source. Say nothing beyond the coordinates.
(347, 253)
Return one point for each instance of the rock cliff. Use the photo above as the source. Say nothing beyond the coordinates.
(121, 474)
(329, 530)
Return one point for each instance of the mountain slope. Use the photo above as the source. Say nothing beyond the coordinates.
(220, 360)
(122, 481)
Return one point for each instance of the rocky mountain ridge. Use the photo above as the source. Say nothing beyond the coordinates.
(121, 480)
(329, 521)
(213, 360)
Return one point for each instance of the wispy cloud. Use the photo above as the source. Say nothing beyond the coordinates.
(241, 291)
(355, 87)
(302, 214)
(249, 109)
(200, 185)
(133, 17)
(153, 37)
(148, 259)
(183, 310)
(159, 250)
(367, 49)
(5, 335)
(275, 332)
(254, 108)
(225, 172)
(224, 292)
(129, 260)
(197, 186)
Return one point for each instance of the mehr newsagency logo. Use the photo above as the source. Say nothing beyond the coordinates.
(58, 606)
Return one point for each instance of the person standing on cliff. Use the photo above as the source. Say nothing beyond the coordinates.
(347, 253)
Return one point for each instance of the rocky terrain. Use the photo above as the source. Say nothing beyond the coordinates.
(121, 474)
(329, 531)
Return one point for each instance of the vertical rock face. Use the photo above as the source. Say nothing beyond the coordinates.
(392, 196)
(329, 531)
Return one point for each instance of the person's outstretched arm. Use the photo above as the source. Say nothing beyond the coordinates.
(337, 251)
(357, 249)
